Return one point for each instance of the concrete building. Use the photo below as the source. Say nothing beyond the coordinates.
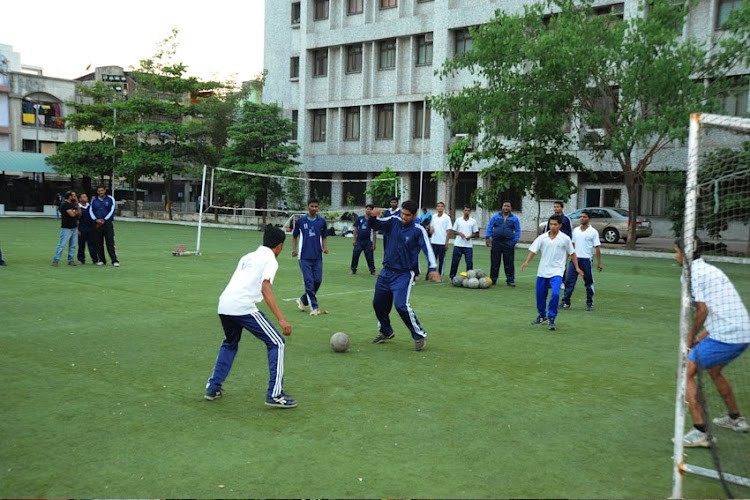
(354, 75)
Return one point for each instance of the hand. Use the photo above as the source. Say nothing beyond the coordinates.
(580, 272)
(325, 250)
(524, 266)
(286, 328)
(599, 267)
(487, 242)
(373, 248)
(376, 212)
(294, 252)
(434, 276)
(354, 243)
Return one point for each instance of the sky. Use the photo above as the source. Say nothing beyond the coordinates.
(218, 39)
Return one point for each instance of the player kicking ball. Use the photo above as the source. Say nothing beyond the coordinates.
(250, 284)
(403, 240)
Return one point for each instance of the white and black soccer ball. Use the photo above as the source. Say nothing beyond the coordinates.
(472, 283)
(458, 281)
(340, 342)
(471, 274)
(483, 283)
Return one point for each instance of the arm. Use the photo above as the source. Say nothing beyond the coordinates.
(270, 299)
(374, 236)
(488, 231)
(426, 247)
(599, 259)
(528, 259)
(574, 260)
(355, 232)
(701, 313)
(111, 210)
(324, 241)
(517, 235)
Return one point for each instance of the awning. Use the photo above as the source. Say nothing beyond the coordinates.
(25, 162)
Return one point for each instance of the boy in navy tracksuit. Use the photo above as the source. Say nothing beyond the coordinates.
(86, 232)
(364, 241)
(102, 212)
(503, 232)
(403, 241)
(311, 232)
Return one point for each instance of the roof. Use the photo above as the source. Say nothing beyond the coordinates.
(25, 162)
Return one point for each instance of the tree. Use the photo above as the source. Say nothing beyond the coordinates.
(260, 142)
(381, 189)
(460, 159)
(636, 80)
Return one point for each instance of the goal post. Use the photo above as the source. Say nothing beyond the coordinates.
(717, 213)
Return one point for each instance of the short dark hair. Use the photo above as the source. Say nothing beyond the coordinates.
(587, 212)
(272, 236)
(313, 200)
(410, 205)
(697, 246)
(467, 206)
(508, 202)
(395, 198)
(101, 187)
(558, 202)
(369, 205)
(557, 218)
(67, 194)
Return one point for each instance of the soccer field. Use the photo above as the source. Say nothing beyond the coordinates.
(104, 370)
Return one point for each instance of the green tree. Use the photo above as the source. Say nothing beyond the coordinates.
(259, 142)
(460, 159)
(637, 80)
(382, 189)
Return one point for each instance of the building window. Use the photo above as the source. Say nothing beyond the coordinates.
(354, 7)
(421, 120)
(295, 123)
(320, 62)
(725, 7)
(424, 49)
(387, 54)
(735, 99)
(296, 12)
(354, 58)
(616, 10)
(294, 67)
(319, 125)
(424, 1)
(463, 41)
(388, 4)
(385, 121)
(321, 10)
(351, 125)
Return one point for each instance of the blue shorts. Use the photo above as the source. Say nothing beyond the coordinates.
(709, 353)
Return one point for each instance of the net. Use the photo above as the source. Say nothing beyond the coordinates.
(715, 273)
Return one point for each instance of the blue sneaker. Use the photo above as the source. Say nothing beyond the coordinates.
(282, 401)
(212, 394)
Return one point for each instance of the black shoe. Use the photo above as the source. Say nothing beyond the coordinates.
(420, 343)
(372, 273)
(212, 394)
(282, 401)
(551, 324)
(590, 307)
(382, 337)
(512, 285)
(540, 320)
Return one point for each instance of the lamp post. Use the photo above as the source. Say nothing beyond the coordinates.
(36, 121)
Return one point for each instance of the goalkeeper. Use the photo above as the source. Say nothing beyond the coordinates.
(720, 333)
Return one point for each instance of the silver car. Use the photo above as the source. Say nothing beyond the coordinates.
(612, 223)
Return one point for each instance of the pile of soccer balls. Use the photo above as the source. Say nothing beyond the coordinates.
(474, 278)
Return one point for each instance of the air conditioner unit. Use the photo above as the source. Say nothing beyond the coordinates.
(428, 37)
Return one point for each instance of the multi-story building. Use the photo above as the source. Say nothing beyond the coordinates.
(355, 76)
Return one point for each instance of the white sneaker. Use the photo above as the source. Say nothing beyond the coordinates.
(301, 306)
(695, 439)
(116, 264)
(738, 425)
(315, 312)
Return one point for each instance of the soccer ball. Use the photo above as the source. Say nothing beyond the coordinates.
(471, 274)
(458, 281)
(480, 273)
(340, 342)
(472, 283)
(483, 283)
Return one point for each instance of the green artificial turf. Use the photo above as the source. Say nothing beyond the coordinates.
(104, 370)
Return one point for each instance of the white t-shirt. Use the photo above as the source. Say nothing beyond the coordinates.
(441, 225)
(585, 242)
(244, 288)
(727, 319)
(468, 227)
(554, 254)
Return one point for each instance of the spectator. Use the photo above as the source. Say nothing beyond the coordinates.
(86, 232)
(465, 229)
(69, 213)
(311, 231)
(502, 235)
(102, 211)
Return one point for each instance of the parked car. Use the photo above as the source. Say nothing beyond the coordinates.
(612, 223)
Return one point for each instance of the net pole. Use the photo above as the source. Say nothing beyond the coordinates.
(691, 197)
(421, 158)
(200, 213)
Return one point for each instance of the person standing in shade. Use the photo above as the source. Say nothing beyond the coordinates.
(719, 334)
(465, 229)
(555, 247)
(426, 219)
(102, 211)
(69, 212)
(251, 283)
(439, 228)
(502, 235)
(585, 242)
(567, 225)
(404, 241)
(309, 245)
(86, 232)
(364, 241)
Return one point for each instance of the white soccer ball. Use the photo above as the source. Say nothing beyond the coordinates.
(340, 342)
(471, 274)
(480, 273)
(483, 283)
(472, 283)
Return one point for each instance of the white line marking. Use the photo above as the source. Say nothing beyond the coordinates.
(332, 294)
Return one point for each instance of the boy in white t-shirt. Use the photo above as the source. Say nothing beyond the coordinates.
(250, 284)
(555, 247)
(439, 227)
(586, 242)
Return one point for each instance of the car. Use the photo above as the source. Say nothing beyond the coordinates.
(612, 223)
